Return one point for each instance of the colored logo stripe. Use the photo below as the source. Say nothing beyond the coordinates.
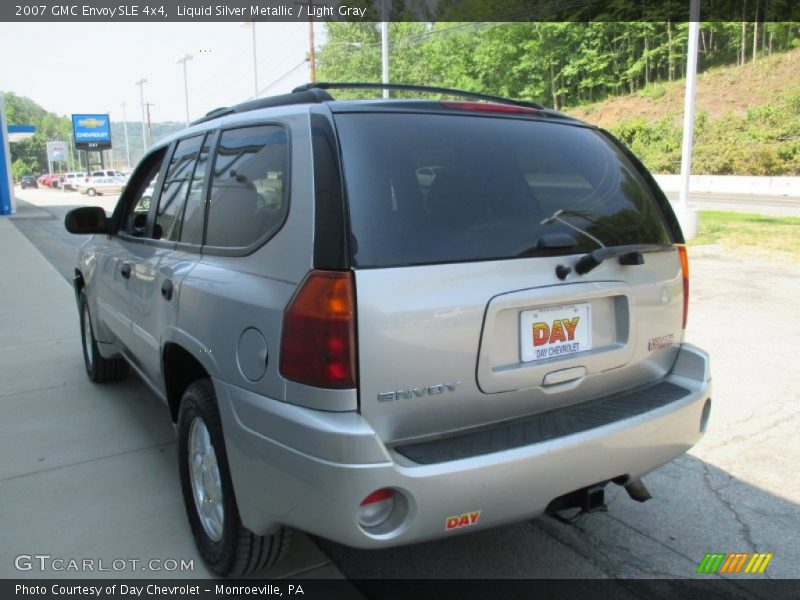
(734, 563)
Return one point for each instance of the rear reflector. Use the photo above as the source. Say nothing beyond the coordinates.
(375, 508)
(318, 339)
(490, 107)
(685, 275)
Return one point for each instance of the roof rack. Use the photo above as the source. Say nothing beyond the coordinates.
(310, 96)
(412, 88)
(314, 93)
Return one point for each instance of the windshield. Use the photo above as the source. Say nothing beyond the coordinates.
(426, 189)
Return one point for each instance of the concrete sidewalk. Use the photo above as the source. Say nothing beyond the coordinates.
(86, 471)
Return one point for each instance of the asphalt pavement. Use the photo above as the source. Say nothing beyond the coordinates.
(736, 491)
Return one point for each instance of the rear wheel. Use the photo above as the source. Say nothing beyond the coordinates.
(99, 369)
(91, 191)
(227, 546)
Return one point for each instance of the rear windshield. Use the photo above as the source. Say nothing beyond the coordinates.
(426, 189)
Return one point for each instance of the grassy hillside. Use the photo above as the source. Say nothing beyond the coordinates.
(747, 120)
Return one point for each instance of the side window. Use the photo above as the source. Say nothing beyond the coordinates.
(175, 188)
(249, 187)
(194, 213)
(142, 187)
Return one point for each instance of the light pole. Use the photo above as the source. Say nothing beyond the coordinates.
(127, 145)
(686, 216)
(252, 25)
(182, 60)
(141, 83)
(384, 49)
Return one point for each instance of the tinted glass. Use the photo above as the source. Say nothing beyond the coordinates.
(443, 188)
(248, 191)
(194, 213)
(175, 189)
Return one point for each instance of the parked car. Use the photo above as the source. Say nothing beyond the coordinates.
(41, 178)
(101, 185)
(109, 173)
(28, 181)
(52, 180)
(344, 355)
(71, 180)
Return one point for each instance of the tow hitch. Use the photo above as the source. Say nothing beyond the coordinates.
(592, 498)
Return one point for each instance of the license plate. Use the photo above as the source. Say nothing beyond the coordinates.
(555, 331)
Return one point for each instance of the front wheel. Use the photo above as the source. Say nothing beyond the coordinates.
(91, 191)
(226, 545)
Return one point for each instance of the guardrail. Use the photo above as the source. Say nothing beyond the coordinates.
(733, 184)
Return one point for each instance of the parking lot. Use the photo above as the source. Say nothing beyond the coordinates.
(90, 470)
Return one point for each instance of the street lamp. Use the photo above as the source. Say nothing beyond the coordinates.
(182, 60)
(127, 145)
(141, 83)
(252, 25)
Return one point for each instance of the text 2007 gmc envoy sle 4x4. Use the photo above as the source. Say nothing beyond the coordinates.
(387, 321)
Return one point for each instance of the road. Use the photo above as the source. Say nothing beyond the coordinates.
(736, 491)
(783, 206)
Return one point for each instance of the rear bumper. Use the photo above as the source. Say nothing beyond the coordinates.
(310, 469)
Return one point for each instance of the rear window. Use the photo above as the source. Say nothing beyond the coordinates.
(426, 189)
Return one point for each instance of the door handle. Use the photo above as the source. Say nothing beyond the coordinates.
(166, 289)
(125, 270)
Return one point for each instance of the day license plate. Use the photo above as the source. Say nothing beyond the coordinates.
(555, 331)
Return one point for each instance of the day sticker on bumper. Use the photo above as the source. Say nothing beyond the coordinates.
(462, 520)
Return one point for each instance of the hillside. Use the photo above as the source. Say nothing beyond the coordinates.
(747, 119)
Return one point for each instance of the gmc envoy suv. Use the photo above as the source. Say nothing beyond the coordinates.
(388, 321)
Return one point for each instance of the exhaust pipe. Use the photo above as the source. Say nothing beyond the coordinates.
(638, 491)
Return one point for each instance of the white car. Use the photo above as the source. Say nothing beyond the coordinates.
(101, 185)
(109, 173)
(70, 181)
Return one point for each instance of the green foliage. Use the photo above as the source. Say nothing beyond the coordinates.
(557, 63)
(765, 141)
(20, 168)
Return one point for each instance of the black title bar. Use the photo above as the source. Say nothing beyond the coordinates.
(394, 10)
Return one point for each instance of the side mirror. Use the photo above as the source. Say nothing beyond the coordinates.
(87, 219)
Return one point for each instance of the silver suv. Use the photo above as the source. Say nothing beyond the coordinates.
(388, 321)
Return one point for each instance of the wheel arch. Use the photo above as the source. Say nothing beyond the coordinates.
(180, 368)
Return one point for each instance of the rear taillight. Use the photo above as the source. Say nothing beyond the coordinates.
(318, 340)
(685, 275)
(490, 107)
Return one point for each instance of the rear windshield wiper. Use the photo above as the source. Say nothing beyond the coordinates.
(628, 255)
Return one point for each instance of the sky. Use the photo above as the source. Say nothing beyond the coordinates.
(91, 67)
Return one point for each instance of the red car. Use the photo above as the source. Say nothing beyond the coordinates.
(52, 180)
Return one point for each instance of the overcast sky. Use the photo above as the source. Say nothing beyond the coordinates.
(91, 67)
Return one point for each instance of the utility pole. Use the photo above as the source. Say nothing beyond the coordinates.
(384, 48)
(149, 125)
(141, 83)
(182, 60)
(312, 60)
(127, 145)
(687, 217)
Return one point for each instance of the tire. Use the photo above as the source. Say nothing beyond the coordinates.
(91, 191)
(99, 369)
(227, 547)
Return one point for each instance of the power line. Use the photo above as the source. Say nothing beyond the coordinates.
(284, 76)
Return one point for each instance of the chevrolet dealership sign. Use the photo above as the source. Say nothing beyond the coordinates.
(91, 132)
